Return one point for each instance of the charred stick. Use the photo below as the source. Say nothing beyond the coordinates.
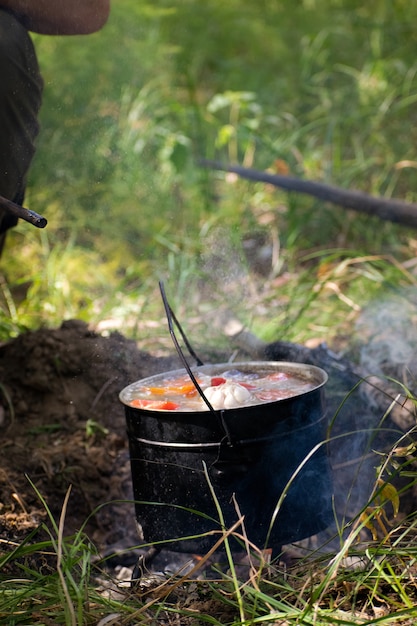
(392, 210)
(24, 214)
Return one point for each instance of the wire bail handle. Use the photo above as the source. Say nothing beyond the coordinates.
(172, 318)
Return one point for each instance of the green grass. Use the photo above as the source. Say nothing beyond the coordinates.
(50, 578)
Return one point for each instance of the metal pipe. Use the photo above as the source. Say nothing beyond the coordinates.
(24, 214)
(390, 209)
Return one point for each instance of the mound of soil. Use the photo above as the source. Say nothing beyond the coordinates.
(62, 424)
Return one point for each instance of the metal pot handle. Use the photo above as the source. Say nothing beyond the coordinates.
(230, 464)
(171, 318)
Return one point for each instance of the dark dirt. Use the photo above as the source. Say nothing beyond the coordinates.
(62, 424)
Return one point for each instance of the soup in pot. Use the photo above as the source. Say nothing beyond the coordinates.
(227, 389)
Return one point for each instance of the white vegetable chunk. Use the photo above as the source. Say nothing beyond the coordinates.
(227, 396)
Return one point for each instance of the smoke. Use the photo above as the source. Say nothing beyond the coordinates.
(370, 417)
(388, 331)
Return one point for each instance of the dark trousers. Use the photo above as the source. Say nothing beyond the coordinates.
(20, 99)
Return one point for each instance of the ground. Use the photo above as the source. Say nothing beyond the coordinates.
(62, 424)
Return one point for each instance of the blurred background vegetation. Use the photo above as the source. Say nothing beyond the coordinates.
(321, 89)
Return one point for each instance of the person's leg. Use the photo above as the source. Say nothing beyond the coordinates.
(20, 100)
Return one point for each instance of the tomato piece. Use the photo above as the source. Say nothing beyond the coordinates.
(139, 403)
(247, 385)
(168, 406)
(217, 380)
(271, 394)
(157, 405)
(277, 376)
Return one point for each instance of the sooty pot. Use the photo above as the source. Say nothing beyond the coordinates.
(252, 456)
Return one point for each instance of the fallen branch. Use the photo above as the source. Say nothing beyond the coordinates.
(397, 211)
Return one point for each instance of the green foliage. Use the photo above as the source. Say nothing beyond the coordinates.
(325, 91)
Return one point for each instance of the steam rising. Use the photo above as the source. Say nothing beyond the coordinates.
(224, 262)
(388, 330)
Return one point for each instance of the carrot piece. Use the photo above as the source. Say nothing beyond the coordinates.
(156, 391)
(183, 389)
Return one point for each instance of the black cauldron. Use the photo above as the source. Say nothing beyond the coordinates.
(252, 456)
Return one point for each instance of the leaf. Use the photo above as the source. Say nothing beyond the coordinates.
(225, 134)
(375, 516)
(405, 450)
(388, 493)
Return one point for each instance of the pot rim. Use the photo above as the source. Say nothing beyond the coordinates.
(303, 368)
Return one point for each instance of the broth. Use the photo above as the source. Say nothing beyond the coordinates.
(227, 389)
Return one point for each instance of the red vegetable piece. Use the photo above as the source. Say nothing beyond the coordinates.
(269, 395)
(168, 406)
(140, 404)
(247, 385)
(157, 405)
(217, 380)
(277, 376)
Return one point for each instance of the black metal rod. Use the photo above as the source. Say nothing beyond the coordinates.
(24, 214)
(171, 317)
(187, 343)
(393, 210)
(143, 563)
